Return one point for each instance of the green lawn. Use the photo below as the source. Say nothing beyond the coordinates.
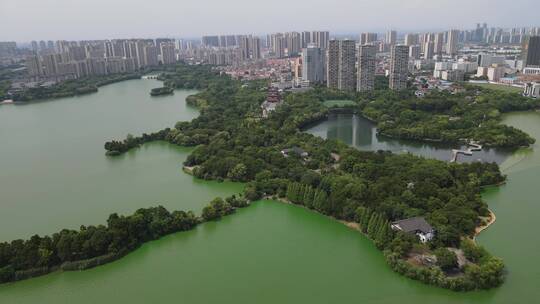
(339, 103)
(499, 87)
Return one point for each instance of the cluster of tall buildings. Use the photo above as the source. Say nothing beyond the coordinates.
(343, 64)
(290, 44)
(249, 45)
(225, 50)
(8, 49)
(236, 49)
(496, 35)
(352, 68)
(75, 59)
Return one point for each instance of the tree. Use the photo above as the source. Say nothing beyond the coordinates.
(446, 259)
(238, 173)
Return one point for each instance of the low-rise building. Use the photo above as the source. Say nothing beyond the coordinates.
(481, 71)
(532, 89)
(466, 67)
(417, 226)
(531, 71)
(294, 150)
(495, 73)
(452, 75)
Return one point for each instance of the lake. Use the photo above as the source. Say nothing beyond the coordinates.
(361, 133)
(54, 173)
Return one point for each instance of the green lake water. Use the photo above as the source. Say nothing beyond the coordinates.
(54, 173)
(269, 252)
(361, 133)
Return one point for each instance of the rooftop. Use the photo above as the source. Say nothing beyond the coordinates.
(414, 224)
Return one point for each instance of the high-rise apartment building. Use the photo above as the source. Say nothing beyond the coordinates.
(168, 53)
(391, 37)
(210, 41)
(530, 53)
(414, 51)
(278, 45)
(96, 66)
(320, 38)
(306, 38)
(245, 47)
(159, 41)
(366, 38)
(250, 47)
(294, 42)
(411, 39)
(451, 43)
(151, 55)
(256, 48)
(313, 62)
(438, 44)
(35, 47)
(51, 65)
(8, 49)
(366, 68)
(33, 65)
(342, 65)
(77, 53)
(429, 50)
(332, 64)
(399, 67)
(141, 56)
(118, 48)
(347, 65)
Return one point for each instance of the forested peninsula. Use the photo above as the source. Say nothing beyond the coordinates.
(472, 114)
(372, 189)
(73, 87)
(92, 246)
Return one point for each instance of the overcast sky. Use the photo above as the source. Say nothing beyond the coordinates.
(24, 20)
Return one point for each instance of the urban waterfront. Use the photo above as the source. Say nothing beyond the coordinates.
(270, 251)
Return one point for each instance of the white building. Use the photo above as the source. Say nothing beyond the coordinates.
(495, 73)
(443, 65)
(452, 75)
(532, 89)
(481, 71)
(451, 43)
(531, 71)
(466, 67)
(486, 60)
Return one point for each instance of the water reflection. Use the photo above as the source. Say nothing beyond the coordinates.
(361, 133)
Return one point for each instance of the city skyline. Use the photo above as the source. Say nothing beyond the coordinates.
(62, 19)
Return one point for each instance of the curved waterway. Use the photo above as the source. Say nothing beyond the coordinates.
(54, 173)
(272, 252)
(361, 133)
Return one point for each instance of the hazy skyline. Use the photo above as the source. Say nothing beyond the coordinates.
(25, 20)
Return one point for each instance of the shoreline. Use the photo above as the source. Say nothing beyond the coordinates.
(479, 229)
